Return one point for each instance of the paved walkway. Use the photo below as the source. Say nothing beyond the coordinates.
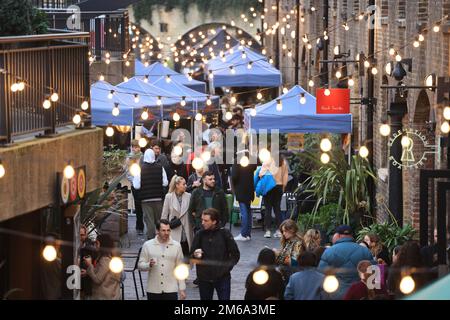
(249, 254)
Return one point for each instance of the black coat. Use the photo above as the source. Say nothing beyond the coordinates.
(220, 253)
(242, 180)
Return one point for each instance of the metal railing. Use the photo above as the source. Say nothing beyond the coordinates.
(53, 4)
(46, 64)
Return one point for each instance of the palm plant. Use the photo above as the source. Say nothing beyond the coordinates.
(342, 183)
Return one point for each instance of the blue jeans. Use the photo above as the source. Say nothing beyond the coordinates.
(222, 286)
(246, 219)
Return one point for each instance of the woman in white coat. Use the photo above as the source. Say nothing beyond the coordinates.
(175, 210)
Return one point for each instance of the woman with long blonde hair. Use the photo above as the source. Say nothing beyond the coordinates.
(175, 210)
(312, 239)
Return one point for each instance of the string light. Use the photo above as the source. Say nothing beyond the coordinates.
(250, 65)
(253, 112)
(54, 97)
(302, 98)
(233, 100)
(159, 101)
(228, 115)
(76, 119)
(436, 28)
(421, 38)
(115, 110)
(264, 155)
(311, 83)
(181, 272)
(198, 117)
(325, 158)
(385, 130)
(374, 71)
(407, 285)
(2, 170)
(208, 101)
(445, 127)
(259, 95)
(327, 92)
(197, 163)
(330, 284)
(84, 105)
(69, 172)
(285, 90)
(49, 253)
(46, 104)
(168, 79)
(351, 82)
(338, 74)
(116, 265)
(279, 105)
(363, 152)
(135, 169)
(398, 58)
(176, 117)
(109, 131)
(110, 95)
(325, 145)
(144, 115)
(446, 113)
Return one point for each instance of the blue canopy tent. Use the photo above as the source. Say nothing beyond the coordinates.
(150, 94)
(157, 70)
(101, 106)
(296, 117)
(438, 290)
(139, 67)
(243, 68)
(194, 100)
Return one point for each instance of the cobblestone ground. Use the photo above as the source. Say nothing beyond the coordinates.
(249, 254)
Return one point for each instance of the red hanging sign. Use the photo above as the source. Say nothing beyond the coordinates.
(337, 102)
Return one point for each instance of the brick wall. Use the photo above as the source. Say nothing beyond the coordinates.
(397, 27)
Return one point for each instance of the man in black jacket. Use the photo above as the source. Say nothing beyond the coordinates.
(208, 196)
(215, 253)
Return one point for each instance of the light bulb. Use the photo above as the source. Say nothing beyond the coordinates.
(244, 162)
(388, 68)
(253, 112)
(260, 277)
(385, 130)
(197, 163)
(363, 152)
(436, 28)
(279, 105)
(325, 145)
(407, 285)
(159, 101)
(49, 253)
(311, 83)
(144, 115)
(168, 79)
(211, 75)
(249, 65)
(303, 99)
(177, 150)
(325, 158)
(330, 284)
(14, 87)
(285, 90)
(109, 131)
(416, 44)
(85, 105)
(115, 111)
(135, 169)
(2, 170)
(46, 104)
(232, 70)
(142, 142)
(116, 265)
(259, 96)
(228, 115)
(374, 71)
(421, 38)
(176, 117)
(208, 101)
(127, 64)
(398, 58)
(446, 113)
(107, 61)
(21, 85)
(351, 82)
(445, 127)
(183, 101)
(76, 119)
(327, 92)
(69, 172)
(181, 272)
(136, 98)
(392, 51)
(54, 97)
(338, 74)
(233, 100)
(264, 155)
(102, 78)
(406, 141)
(367, 63)
(198, 117)
(206, 156)
(110, 94)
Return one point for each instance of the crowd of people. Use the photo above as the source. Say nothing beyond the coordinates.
(185, 217)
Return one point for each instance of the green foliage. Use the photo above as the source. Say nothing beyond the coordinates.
(325, 219)
(342, 183)
(113, 161)
(390, 233)
(215, 8)
(19, 17)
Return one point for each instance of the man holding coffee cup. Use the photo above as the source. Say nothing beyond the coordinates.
(215, 253)
(160, 256)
